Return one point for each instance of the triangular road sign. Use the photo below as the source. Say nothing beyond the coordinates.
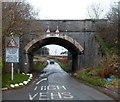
(48, 30)
(12, 43)
(57, 30)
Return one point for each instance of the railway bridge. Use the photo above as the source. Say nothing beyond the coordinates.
(77, 36)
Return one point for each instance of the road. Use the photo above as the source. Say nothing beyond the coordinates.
(55, 84)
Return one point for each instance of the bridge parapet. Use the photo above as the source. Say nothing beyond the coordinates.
(87, 25)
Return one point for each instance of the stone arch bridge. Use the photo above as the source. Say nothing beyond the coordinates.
(78, 36)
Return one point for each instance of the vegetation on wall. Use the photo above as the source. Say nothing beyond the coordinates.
(102, 47)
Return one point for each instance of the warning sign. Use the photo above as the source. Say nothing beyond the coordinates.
(12, 43)
(12, 49)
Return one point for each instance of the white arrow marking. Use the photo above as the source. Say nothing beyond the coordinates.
(41, 81)
(35, 88)
(32, 97)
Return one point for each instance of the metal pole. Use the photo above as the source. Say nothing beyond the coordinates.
(12, 72)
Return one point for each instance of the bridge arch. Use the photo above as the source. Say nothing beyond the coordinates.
(63, 40)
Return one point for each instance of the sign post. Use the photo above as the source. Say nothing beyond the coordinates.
(12, 52)
(12, 72)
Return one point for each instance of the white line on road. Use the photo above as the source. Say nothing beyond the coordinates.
(35, 88)
(41, 81)
(32, 97)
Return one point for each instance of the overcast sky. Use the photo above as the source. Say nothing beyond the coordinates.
(65, 9)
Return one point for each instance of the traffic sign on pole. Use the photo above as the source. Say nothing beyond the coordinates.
(12, 52)
(12, 49)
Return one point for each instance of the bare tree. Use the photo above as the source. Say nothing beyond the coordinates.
(114, 22)
(14, 15)
(95, 11)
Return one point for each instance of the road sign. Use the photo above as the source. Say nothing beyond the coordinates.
(12, 43)
(12, 55)
(12, 49)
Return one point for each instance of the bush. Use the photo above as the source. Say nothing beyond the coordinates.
(109, 66)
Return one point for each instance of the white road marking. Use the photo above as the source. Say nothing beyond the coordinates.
(35, 88)
(41, 81)
(58, 87)
(54, 94)
(32, 97)
(51, 87)
(43, 87)
(67, 95)
(43, 96)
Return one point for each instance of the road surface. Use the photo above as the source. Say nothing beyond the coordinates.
(55, 84)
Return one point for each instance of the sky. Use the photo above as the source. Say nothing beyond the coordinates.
(65, 9)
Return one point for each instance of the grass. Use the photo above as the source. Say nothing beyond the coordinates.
(18, 78)
(91, 76)
(92, 80)
(65, 65)
(35, 59)
(39, 66)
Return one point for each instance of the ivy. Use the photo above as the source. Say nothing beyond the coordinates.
(102, 47)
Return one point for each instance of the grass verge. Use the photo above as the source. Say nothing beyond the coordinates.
(90, 79)
(18, 78)
(39, 66)
(91, 76)
(65, 64)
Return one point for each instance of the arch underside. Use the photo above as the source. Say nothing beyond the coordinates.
(74, 48)
(69, 43)
(69, 46)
